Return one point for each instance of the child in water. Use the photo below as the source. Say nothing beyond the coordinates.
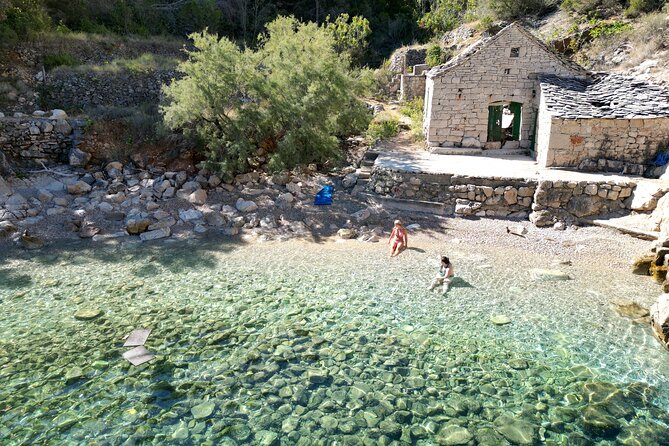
(445, 275)
(398, 239)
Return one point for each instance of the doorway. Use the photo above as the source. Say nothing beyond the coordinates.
(504, 121)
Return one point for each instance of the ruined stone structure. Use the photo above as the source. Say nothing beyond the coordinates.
(511, 91)
(488, 96)
(413, 85)
(607, 123)
(34, 138)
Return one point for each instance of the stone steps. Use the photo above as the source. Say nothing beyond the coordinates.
(456, 151)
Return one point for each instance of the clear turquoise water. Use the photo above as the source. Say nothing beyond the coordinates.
(332, 343)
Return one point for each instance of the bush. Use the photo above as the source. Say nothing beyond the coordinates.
(513, 9)
(24, 18)
(292, 97)
(59, 60)
(382, 128)
(594, 8)
(435, 55)
(350, 38)
(638, 7)
(414, 110)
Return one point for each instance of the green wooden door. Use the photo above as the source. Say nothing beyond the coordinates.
(516, 108)
(495, 122)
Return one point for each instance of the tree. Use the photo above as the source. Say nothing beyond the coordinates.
(292, 97)
(350, 37)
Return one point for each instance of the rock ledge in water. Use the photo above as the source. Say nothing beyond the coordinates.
(548, 275)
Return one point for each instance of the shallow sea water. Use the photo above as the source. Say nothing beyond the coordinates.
(329, 343)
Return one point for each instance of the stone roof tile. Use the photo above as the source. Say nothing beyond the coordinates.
(611, 96)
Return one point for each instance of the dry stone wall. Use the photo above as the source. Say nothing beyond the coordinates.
(411, 87)
(568, 201)
(543, 202)
(615, 145)
(73, 89)
(483, 197)
(459, 93)
(37, 139)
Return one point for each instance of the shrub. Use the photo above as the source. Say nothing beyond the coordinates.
(414, 110)
(513, 9)
(24, 18)
(444, 15)
(59, 59)
(638, 7)
(436, 55)
(382, 127)
(350, 38)
(293, 97)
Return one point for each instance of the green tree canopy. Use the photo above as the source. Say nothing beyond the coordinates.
(291, 97)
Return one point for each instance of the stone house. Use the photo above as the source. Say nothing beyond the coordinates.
(511, 91)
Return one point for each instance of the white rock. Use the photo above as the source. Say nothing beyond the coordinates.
(198, 197)
(190, 214)
(155, 234)
(646, 195)
(58, 114)
(245, 206)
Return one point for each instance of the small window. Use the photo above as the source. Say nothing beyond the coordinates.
(515, 52)
(507, 71)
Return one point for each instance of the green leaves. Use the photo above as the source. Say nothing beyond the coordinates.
(291, 97)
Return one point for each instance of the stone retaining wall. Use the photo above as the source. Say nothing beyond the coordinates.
(465, 195)
(412, 87)
(626, 145)
(544, 202)
(37, 139)
(72, 89)
(567, 201)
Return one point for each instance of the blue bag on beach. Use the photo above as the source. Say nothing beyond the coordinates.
(324, 196)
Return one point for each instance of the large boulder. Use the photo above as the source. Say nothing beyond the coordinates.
(659, 319)
(646, 195)
(584, 205)
(137, 226)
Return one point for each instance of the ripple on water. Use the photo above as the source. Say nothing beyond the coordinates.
(296, 343)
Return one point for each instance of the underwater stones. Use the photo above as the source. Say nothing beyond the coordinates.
(597, 421)
(630, 310)
(87, 314)
(329, 422)
(266, 438)
(7, 228)
(317, 376)
(74, 374)
(390, 427)
(290, 424)
(548, 275)
(516, 431)
(453, 434)
(518, 364)
(488, 437)
(181, 432)
(500, 319)
(203, 410)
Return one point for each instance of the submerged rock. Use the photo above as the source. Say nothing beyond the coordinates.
(454, 435)
(30, 241)
(500, 319)
(86, 314)
(203, 410)
(631, 310)
(516, 431)
(548, 275)
(598, 422)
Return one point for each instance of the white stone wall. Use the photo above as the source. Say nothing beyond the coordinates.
(628, 140)
(460, 96)
(543, 137)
